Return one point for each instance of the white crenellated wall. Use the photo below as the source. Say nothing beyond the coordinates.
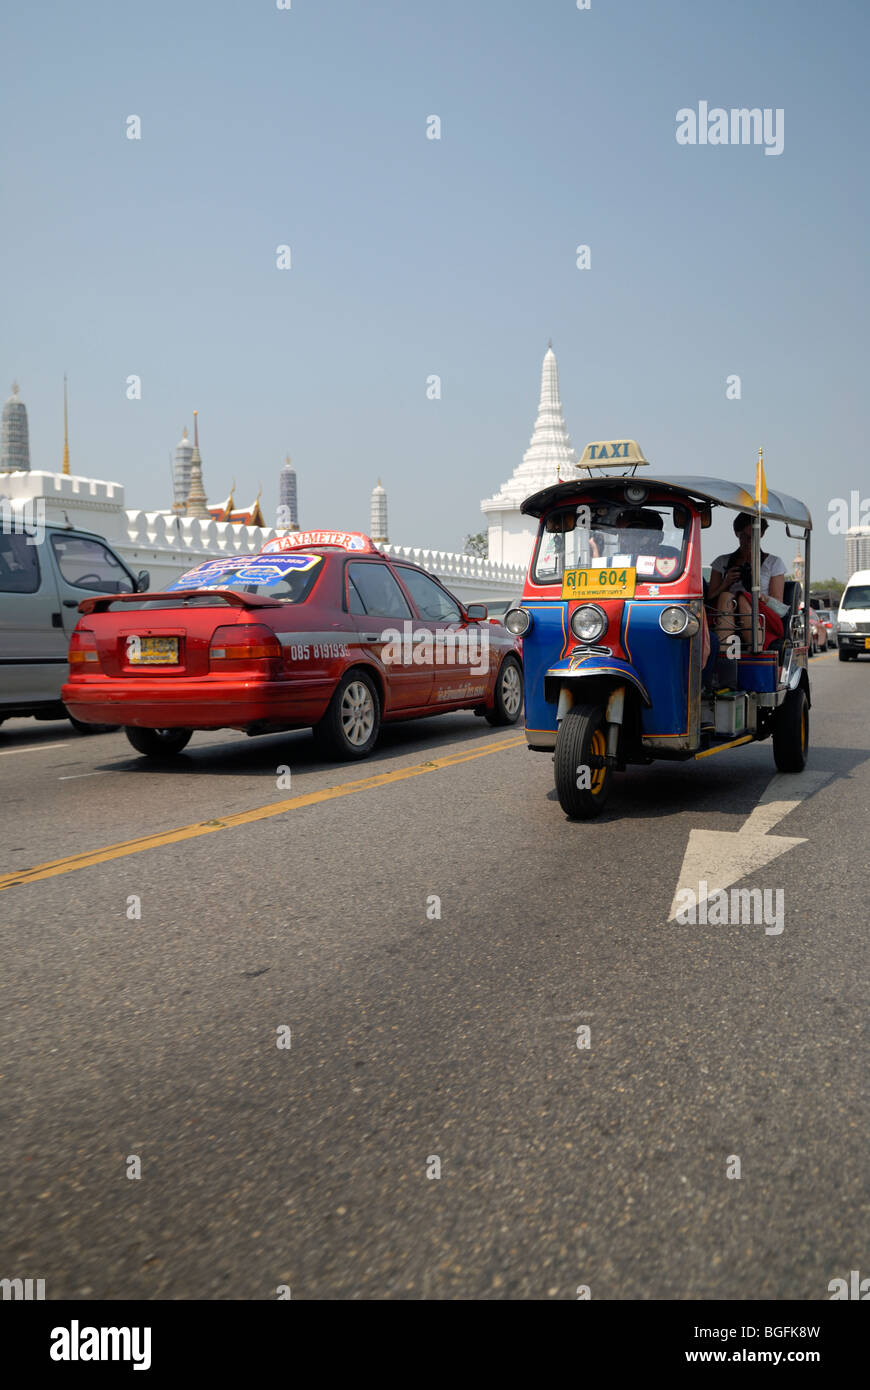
(166, 545)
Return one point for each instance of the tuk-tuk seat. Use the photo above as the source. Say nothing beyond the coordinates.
(791, 594)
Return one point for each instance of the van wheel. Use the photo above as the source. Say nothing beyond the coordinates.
(159, 743)
(350, 727)
(580, 748)
(791, 732)
(507, 700)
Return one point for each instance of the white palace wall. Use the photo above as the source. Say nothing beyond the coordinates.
(167, 545)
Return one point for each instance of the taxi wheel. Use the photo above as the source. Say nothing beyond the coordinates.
(158, 743)
(791, 732)
(581, 744)
(351, 725)
(507, 700)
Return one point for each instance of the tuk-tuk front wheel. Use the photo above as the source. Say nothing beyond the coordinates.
(791, 732)
(583, 778)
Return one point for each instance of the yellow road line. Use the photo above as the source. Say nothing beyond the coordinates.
(277, 808)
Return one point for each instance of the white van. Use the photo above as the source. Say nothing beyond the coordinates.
(42, 581)
(853, 617)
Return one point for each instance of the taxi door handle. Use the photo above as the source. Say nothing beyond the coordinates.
(371, 636)
(70, 603)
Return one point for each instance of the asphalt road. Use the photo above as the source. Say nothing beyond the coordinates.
(416, 1037)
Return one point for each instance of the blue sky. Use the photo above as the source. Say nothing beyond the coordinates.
(413, 257)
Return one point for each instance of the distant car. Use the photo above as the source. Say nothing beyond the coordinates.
(818, 635)
(828, 620)
(320, 630)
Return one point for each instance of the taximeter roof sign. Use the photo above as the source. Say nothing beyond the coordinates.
(296, 540)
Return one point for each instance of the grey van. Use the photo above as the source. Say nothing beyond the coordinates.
(41, 586)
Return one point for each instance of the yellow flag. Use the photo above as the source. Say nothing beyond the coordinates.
(760, 484)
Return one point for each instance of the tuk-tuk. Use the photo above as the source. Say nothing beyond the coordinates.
(615, 631)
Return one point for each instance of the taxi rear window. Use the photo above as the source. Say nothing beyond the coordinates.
(283, 578)
(604, 535)
(287, 578)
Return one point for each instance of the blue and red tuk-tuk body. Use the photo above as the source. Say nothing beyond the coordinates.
(615, 634)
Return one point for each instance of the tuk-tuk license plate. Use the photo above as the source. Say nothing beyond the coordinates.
(154, 651)
(618, 582)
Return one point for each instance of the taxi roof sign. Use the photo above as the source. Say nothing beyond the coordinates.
(306, 540)
(611, 453)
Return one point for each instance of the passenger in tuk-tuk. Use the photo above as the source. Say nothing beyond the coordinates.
(730, 591)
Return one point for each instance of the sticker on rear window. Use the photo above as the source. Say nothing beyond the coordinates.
(254, 569)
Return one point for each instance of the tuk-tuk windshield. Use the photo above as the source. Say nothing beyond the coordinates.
(600, 535)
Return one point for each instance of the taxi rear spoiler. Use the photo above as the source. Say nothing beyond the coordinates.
(102, 603)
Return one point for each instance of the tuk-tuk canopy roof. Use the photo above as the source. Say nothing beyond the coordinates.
(719, 491)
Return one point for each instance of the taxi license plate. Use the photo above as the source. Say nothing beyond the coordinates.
(154, 651)
(617, 582)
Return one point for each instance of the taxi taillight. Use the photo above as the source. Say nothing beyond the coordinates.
(83, 650)
(245, 642)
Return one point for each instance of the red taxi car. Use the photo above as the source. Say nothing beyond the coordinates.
(319, 630)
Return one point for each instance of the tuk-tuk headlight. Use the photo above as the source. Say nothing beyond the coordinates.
(678, 622)
(517, 621)
(588, 622)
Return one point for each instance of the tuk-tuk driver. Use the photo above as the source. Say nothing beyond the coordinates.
(647, 531)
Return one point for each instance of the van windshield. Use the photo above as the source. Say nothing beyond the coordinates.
(858, 596)
(601, 535)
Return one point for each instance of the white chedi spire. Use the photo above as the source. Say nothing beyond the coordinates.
(14, 437)
(288, 503)
(197, 502)
(548, 459)
(549, 456)
(378, 529)
(181, 472)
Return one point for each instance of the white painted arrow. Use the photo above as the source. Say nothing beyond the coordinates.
(718, 858)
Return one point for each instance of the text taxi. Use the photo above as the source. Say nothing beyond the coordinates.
(617, 655)
(319, 630)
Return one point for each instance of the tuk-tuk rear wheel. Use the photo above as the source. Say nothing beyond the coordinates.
(791, 732)
(581, 743)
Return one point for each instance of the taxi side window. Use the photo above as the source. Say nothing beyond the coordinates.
(431, 600)
(19, 564)
(372, 591)
(89, 565)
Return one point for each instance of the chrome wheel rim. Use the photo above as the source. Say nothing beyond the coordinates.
(511, 690)
(357, 713)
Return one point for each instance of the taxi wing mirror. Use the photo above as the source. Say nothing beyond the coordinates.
(143, 582)
(477, 612)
